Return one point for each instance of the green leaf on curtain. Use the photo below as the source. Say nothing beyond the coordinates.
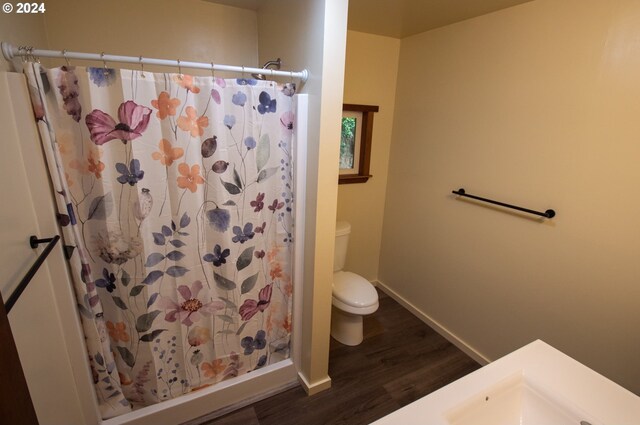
(152, 277)
(241, 328)
(85, 311)
(266, 173)
(223, 282)
(177, 271)
(158, 238)
(177, 243)
(226, 318)
(236, 178)
(136, 290)
(229, 303)
(249, 283)
(100, 207)
(151, 336)
(175, 255)
(126, 356)
(145, 321)
(263, 152)
(245, 258)
(153, 259)
(118, 302)
(184, 220)
(231, 188)
(125, 278)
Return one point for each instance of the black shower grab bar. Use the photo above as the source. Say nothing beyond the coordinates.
(33, 242)
(546, 214)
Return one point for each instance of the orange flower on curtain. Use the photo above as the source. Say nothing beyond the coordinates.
(165, 105)
(118, 331)
(167, 153)
(190, 178)
(95, 166)
(186, 82)
(192, 122)
(212, 369)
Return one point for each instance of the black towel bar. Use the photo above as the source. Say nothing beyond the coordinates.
(546, 214)
(33, 242)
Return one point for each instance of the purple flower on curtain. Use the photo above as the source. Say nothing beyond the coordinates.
(250, 344)
(132, 175)
(261, 361)
(229, 121)
(134, 119)
(221, 82)
(258, 204)
(246, 81)
(250, 143)
(250, 308)
(219, 219)
(69, 90)
(108, 281)
(243, 234)
(218, 257)
(286, 120)
(102, 77)
(239, 99)
(191, 309)
(215, 95)
(289, 89)
(266, 103)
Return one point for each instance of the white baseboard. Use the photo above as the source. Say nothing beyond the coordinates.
(446, 333)
(315, 388)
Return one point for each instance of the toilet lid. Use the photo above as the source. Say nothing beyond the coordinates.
(354, 290)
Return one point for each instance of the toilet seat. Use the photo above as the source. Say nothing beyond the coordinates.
(354, 294)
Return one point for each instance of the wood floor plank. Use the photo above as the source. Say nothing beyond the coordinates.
(400, 360)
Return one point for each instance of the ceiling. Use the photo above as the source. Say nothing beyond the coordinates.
(402, 18)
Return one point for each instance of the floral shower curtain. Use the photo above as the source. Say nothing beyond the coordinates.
(176, 192)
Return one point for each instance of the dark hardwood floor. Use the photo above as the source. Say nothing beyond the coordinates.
(400, 360)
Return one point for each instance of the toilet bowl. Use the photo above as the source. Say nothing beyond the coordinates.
(353, 295)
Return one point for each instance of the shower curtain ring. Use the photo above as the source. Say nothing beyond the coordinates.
(66, 59)
(105, 71)
(179, 70)
(291, 77)
(243, 73)
(22, 53)
(142, 68)
(30, 57)
(212, 69)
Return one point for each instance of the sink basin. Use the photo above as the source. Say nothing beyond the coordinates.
(516, 401)
(534, 385)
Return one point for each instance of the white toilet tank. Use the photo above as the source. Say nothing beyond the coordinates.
(343, 229)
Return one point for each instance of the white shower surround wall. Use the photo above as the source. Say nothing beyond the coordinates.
(226, 396)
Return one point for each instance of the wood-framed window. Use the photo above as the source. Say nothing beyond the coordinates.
(355, 143)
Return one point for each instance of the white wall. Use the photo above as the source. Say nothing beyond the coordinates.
(312, 34)
(535, 105)
(370, 79)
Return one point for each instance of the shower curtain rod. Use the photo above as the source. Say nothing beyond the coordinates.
(9, 52)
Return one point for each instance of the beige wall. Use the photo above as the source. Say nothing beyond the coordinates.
(370, 79)
(312, 34)
(534, 105)
(192, 30)
(22, 30)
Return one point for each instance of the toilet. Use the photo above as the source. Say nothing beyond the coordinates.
(353, 295)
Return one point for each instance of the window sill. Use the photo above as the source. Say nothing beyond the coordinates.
(353, 178)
